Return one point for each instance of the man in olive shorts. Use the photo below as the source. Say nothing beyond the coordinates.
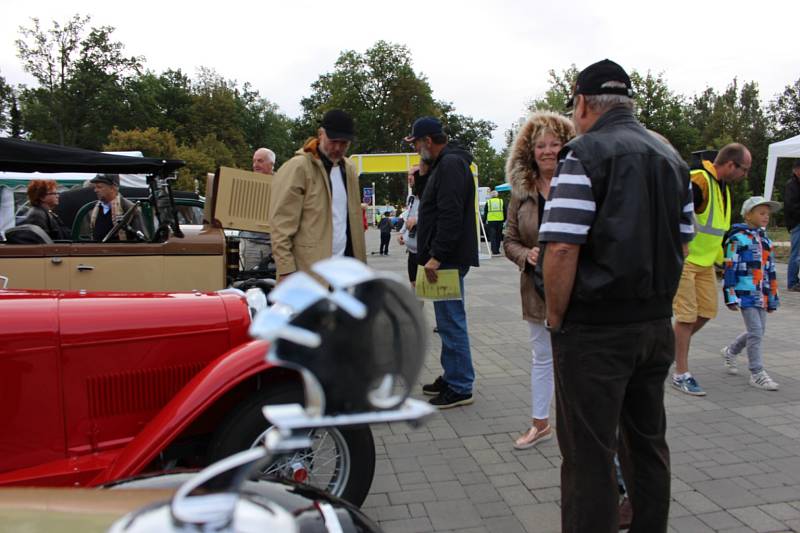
(695, 302)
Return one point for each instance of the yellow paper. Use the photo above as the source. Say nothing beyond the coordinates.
(446, 287)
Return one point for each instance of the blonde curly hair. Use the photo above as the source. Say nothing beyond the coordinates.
(521, 165)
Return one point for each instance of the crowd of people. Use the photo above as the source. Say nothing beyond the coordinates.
(613, 235)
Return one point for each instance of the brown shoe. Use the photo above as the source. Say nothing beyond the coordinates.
(625, 514)
(532, 437)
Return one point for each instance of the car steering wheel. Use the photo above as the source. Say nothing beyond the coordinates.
(122, 222)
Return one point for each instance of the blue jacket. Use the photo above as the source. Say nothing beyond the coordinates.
(749, 279)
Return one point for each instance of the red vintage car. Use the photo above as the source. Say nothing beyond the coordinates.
(99, 386)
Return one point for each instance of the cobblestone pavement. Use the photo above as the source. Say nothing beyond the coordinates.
(735, 452)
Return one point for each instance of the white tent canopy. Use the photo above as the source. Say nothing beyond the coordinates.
(786, 148)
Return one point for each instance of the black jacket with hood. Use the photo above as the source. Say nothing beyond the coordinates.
(447, 227)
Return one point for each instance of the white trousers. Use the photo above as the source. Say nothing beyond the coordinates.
(541, 371)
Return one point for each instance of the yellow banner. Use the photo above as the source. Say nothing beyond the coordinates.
(447, 286)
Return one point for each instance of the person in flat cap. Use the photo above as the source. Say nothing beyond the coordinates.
(614, 234)
(110, 208)
(315, 204)
(447, 238)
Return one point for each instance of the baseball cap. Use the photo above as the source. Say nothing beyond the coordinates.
(108, 179)
(424, 126)
(755, 201)
(591, 80)
(338, 125)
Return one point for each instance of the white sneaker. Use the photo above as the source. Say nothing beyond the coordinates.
(729, 360)
(761, 380)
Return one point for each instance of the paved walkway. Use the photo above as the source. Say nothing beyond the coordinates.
(735, 452)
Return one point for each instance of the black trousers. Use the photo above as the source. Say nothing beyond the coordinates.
(495, 235)
(385, 238)
(610, 376)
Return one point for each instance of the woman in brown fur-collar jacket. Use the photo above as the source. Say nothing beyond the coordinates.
(530, 167)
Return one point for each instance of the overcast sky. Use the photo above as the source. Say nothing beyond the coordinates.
(489, 58)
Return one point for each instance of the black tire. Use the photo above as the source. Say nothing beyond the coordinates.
(353, 454)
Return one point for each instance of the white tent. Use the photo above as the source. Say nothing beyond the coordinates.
(786, 148)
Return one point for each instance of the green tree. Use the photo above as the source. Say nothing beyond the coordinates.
(491, 164)
(661, 110)
(784, 113)
(379, 89)
(152, 142)
(81, 75)
(15, 128)
(264, 125)
(6, 95)
(466, 131)
(558, 93)
(214, 114)
(735, 115)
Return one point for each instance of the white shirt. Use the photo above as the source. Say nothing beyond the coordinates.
(339, 210)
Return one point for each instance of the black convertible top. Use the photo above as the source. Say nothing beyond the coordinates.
(17, 155)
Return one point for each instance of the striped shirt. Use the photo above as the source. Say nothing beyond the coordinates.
(570, 210)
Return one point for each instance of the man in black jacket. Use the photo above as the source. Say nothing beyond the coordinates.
(791, 210)
(615, 228)
(447, 238)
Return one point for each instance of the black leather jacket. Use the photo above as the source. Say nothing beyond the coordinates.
(629, 268)
(48, 221)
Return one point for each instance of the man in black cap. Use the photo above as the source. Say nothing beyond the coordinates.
(110, 208)
(315, 208)
(615, 232)
(447, 238)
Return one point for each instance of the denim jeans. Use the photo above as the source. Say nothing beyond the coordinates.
(794, 258)
(610, 379)
(755, 320)
(456, 358)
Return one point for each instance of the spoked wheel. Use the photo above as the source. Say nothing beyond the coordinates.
(339, 461)
(326, 464)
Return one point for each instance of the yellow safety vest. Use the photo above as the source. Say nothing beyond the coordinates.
(495, 210)
(710, 225)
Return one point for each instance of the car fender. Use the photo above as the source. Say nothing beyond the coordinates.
(199, 394)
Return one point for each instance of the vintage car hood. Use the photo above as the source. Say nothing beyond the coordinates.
(95, 316)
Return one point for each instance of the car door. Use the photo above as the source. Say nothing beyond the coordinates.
(31, 408)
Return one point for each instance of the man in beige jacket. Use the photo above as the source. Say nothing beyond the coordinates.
(315, 206)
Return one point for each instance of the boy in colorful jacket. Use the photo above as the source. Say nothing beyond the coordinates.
(750, 285)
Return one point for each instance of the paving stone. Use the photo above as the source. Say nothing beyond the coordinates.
(453, 515)
(696, 503)
(727, 494)
(412, 496)
(517, 495)
(539, 518)
(781, 511)
(720, 520)
(757, 519)
(689, 524)
(482, 494)
(409, 525)
(449, 490)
